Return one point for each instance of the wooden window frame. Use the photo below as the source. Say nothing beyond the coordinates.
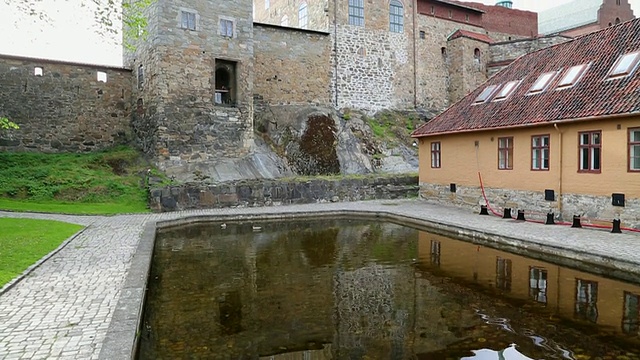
(436, 155)
(507, 153)
(590, 146)
(541, 148)
(186, 18)
(629, 145)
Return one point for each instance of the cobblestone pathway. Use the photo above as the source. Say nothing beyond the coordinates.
(62, 309)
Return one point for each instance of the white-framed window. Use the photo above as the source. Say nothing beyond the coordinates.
(590, 151)
(540, 152)
(634, 149)
(267, 4)
(485, 94)
(188, 20)
(572, 76)
(396, 16)
(625, 65)
(505, 153)
(284, 21)
(38, 71)
(356, 12)
(101, 76)
(226, 27)
(507, 90)
(436, 155)
(543, 81)
(303, 15)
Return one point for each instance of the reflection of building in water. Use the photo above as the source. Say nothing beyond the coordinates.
(572, 294)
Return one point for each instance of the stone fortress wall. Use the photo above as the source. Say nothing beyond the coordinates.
(63, 107)
(167, 102)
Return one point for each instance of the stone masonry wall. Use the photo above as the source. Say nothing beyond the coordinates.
(466, 71)
(280, 192)
(317, 13)
(373, 69)
(292, 66)
(432, 66)
(188, 126)
(66, 109)
(592, 209)
(503, 53)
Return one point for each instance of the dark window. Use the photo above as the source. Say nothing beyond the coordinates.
(476, 54)
(505, 153)
(466, 18)
(226, 27)
(396, 17)
(586, 300)
(356, 12)
(631, 314)
(423, 34)
(540, 152)
(538, 284)
(433, 10)
(140, 76)
(443, 51)
(188, 20)
(450, 14)
(634, 149)
(590, 151)
(225, 80)
(503, 274)
(435, 154)
(618, 2)
(617, 21)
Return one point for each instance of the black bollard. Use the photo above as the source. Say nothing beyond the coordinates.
(616, 227)
(576, 222)
(507, 213)
(550, 219)
(520, 215)
(483, 210)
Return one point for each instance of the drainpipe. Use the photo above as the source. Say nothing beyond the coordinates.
(560, 169)
(335, 51)
(415, 55)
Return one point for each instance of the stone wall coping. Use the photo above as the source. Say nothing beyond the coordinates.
(506, 42)
(258, 24)
(62, 62)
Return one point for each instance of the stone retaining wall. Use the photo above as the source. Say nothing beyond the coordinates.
(592, 209)
(63, 106)
(280, 192)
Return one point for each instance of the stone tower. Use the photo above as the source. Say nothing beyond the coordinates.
(193, 82)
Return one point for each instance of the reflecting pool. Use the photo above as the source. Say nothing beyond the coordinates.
(369, 289)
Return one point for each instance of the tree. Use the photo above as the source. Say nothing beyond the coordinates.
(109, 14)
(6, 124)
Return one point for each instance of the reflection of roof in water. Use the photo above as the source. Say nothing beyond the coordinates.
(568, 16)
(509, 353)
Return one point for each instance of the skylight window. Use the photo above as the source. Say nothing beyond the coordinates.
(485, 94)
(625, 65)
(507, 89)
(543, 81)
(572, 76)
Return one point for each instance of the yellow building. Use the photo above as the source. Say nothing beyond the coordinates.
(557, 131)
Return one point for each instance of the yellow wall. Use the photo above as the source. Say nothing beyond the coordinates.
(459, 164)
(459, 259)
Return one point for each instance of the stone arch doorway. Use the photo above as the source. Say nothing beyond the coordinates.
(225, 83)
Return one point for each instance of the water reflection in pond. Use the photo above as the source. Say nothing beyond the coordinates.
(341, 289)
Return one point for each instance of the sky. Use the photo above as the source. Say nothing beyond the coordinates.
(69, 32)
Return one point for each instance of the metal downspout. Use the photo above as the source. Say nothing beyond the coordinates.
(560, 169)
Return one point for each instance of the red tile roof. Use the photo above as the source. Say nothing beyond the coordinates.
(591, 97)
(471, 35)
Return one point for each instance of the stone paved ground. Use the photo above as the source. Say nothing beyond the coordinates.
(62, 309)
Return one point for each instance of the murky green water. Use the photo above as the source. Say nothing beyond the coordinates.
(340, 289)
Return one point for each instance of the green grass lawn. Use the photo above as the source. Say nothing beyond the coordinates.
(106, 182)
(25, 241)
